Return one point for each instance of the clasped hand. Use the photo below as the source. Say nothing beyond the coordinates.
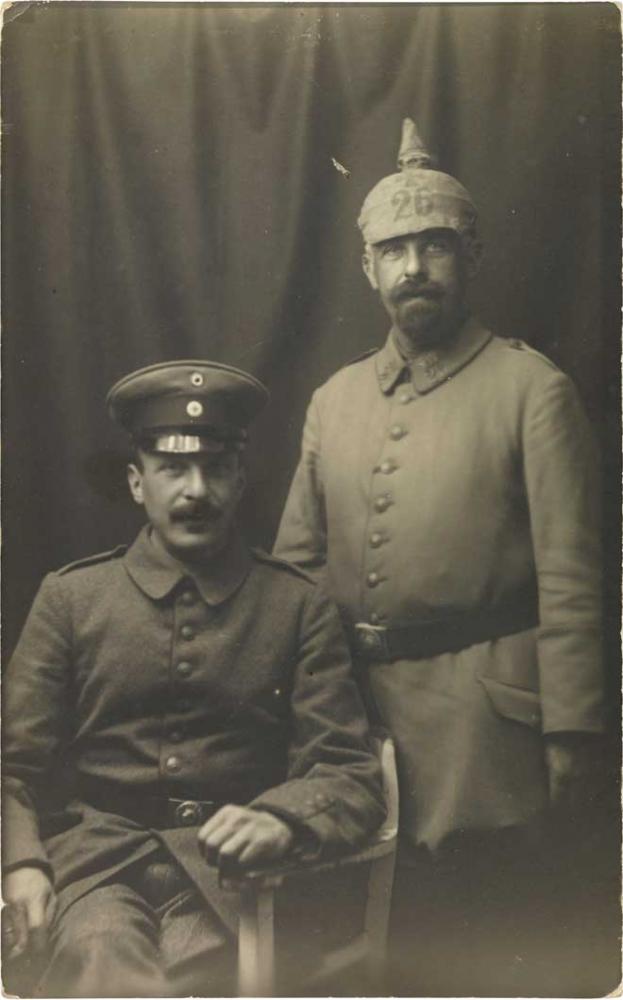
(248, 836)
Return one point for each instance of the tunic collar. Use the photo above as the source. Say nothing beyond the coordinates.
(157, 573)
(434, 367)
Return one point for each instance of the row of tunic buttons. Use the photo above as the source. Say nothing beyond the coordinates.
(385, 500)
(184, 668)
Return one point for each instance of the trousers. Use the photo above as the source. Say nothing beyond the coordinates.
(145, 933)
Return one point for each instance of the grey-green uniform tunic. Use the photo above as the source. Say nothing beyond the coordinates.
(452, 488)
(134, 680)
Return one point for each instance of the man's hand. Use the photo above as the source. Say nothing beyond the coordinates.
(248, 836)
(573, 764)
(30, 904)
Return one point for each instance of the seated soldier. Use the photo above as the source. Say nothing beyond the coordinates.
(179, 699)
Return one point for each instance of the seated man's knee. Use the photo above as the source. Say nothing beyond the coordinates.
(108, 911)
(106, 940)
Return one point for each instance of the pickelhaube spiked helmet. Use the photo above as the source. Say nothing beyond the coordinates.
(416, 198)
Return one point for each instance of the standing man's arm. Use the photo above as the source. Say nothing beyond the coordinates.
(563, 494)
(302, 535)
(34, 710)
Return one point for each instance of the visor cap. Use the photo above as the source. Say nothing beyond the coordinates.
(187, 406)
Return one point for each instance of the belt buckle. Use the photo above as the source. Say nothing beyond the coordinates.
(371, 640)
(188, 813)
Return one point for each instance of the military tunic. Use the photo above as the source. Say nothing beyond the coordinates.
(454, 487)
(136, 681)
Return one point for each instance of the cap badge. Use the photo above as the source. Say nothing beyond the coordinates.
(196, 379)
(194, 408)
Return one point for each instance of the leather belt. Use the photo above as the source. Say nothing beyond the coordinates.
(421, 640)
(155, 811)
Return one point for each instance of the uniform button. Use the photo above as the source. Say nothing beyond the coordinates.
(187, 632)
(277, 692)
(382, 503)
(187, 597)
(184, 668)
(372, 579)
(176, 736)
(405, 397)
(387, 466)
(397, 432)
(173, 764)
(376, 539)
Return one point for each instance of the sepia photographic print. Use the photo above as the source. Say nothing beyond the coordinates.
(311, 324)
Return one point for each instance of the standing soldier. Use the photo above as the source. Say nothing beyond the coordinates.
(447, 484)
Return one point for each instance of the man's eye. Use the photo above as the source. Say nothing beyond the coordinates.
(391, 250)
(438, 248)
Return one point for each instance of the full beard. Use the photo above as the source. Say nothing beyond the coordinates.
(422, 322)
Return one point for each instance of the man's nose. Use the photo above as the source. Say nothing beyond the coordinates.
(196, 485)
(415, 260)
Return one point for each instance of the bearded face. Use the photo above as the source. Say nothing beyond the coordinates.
(421, 279)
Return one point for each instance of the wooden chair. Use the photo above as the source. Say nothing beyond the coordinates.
(257, 888)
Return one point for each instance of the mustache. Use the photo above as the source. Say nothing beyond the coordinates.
(196, 512)
(427, 289)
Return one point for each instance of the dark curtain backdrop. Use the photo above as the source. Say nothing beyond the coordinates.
(168, 191)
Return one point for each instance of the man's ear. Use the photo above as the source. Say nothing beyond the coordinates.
(135, 482)
(241, 484)
(367, 262)
(474, 253)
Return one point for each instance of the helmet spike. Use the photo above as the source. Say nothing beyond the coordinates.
(413, 152)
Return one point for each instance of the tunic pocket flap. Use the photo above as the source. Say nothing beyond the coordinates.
(518, 704)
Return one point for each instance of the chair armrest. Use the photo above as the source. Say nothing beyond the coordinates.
(385, 750)
(234, 877)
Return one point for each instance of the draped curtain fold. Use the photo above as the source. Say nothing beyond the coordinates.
(168, 191)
